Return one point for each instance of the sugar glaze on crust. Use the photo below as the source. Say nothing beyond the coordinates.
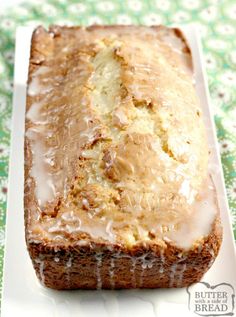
(117, 189)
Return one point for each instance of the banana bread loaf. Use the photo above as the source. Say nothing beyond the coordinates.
(118, 192)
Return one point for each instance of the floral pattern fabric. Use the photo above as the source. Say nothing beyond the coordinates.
(216, 20)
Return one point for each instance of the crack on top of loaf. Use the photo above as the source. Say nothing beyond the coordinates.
(117, 107)
(158, 130)
(105, 81)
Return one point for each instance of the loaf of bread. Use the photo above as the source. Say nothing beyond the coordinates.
(118, 192)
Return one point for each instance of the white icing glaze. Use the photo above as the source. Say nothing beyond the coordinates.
(56, 259)
(33, 113)
(204, 208)
(69, 262)
(176, 271)
(187, 192)
(178, 45)
(45, 184)
(82, 242)
(41, 270)
(162, 262)
(146, 263)
(68, 270)
(212, 253)
(172, 274)
(132, 270)
(141, 278)
(35, 87)
(98, 257)
(173, 41)
(180, 275)
(109, 230)
(98, 230)
(111, 272)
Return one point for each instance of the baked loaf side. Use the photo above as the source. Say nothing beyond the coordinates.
(117, 188)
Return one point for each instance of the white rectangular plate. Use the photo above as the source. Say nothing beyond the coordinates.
(22, 293)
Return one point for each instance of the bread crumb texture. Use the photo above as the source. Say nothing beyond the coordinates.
(115, 144)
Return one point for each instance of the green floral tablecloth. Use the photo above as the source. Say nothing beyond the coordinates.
(217, 24)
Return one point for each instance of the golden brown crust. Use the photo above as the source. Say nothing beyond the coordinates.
(143, 266)
(78, 259)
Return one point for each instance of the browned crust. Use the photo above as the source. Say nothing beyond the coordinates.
(83, 270)
(76, 265)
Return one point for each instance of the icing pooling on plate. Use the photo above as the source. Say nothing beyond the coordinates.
(108, 143)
